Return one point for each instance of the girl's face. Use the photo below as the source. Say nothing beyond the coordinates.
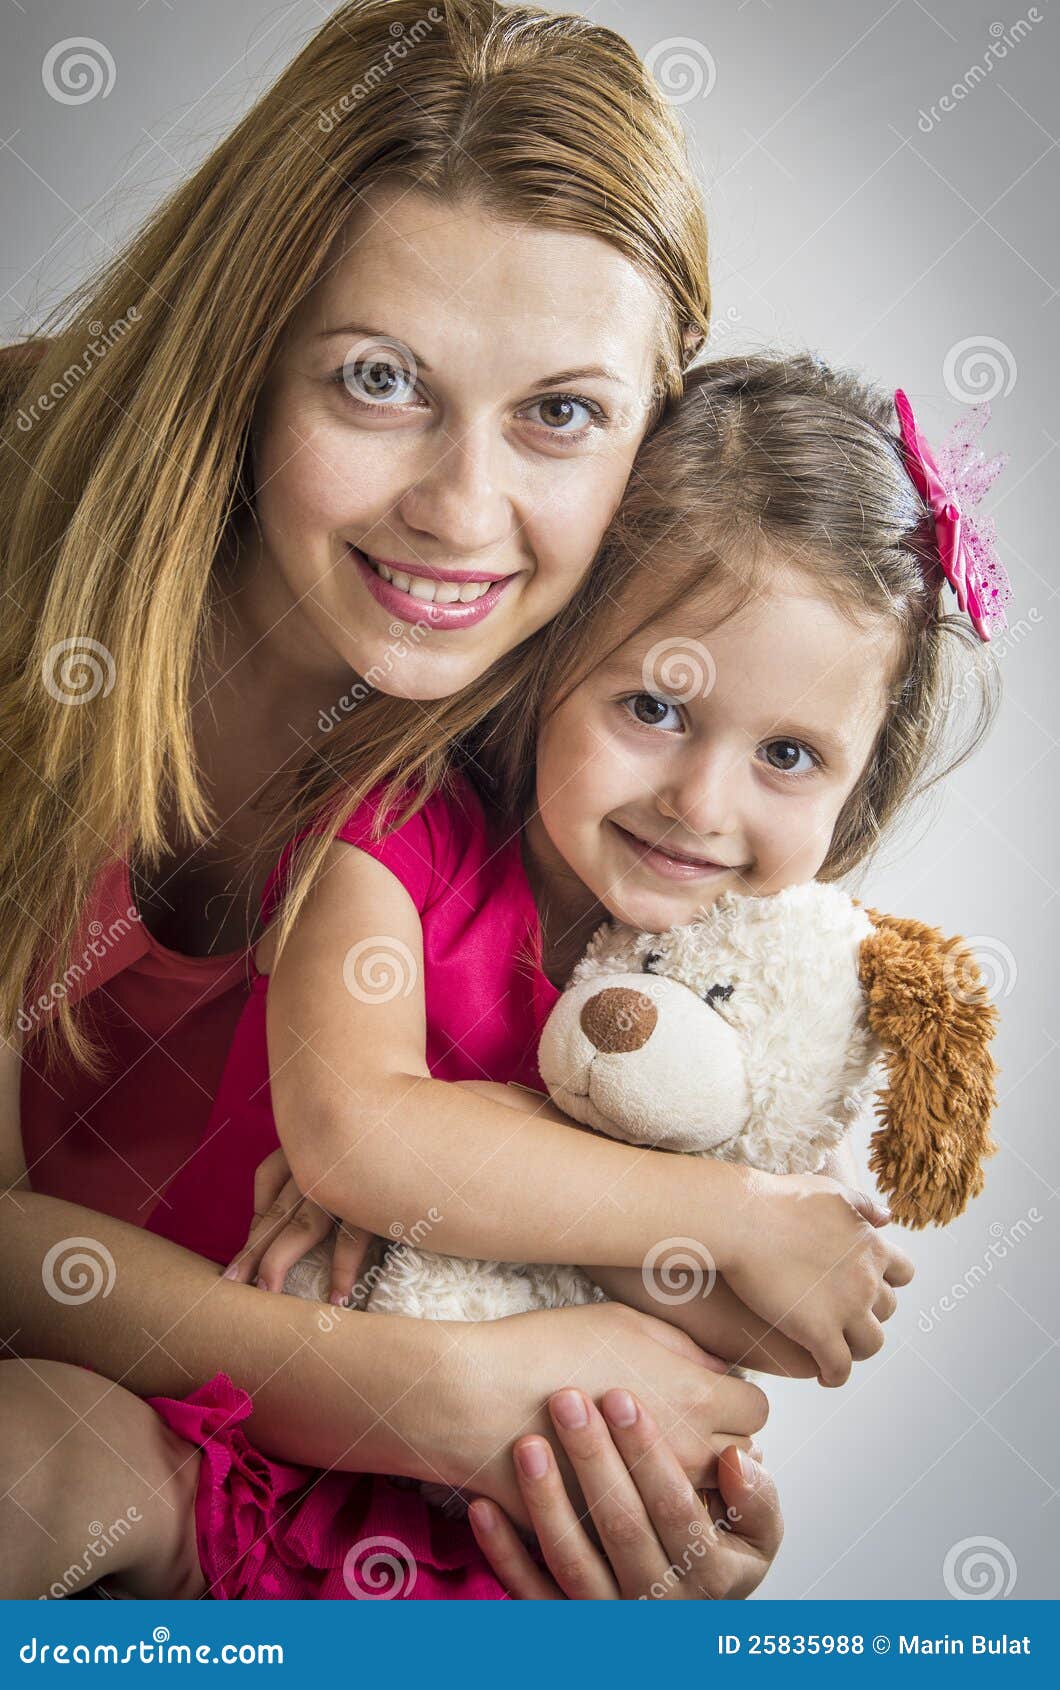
(442, 442)
(685, 767)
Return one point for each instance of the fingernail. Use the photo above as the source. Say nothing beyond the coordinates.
(619, 1408)
(747, 1467)
(568, 1407)
(533, 1460)
(230, 1272)
(339, 1297)
(484, 1515)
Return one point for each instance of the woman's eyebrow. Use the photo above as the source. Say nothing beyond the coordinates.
(599, 372)
(367, 333)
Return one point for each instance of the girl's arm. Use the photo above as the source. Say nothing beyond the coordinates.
(374, 1139)
(371, 1137)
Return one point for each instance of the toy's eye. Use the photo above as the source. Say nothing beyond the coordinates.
(650, 960)
(716, 995)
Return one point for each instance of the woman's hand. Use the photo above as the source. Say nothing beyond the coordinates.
(658, 1538)
(497, 1376)
(285, 1228)
(806, 1256)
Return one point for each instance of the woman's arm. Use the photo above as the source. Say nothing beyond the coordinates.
(365, 1393)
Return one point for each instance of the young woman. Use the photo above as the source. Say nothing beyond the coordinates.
(425, 318)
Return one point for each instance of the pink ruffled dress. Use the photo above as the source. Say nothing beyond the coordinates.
(171, 1137)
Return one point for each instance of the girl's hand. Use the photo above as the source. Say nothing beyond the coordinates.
(497, 1376)
(285, 1228)
(808, 1258)
(659, 1539)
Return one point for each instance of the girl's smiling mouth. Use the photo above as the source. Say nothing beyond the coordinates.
(441, 598)
(669, 862)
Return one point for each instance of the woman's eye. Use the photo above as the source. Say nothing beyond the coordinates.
(784, 754)
(377, 382)
(653, 712)
(566, 415)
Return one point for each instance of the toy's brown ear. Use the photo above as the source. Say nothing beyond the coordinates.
(930, 1011)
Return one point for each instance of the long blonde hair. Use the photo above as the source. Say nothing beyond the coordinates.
(125, 461)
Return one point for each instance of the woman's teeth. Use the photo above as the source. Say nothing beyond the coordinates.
(433, 592)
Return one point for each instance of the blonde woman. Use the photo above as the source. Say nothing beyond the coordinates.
(364, 393)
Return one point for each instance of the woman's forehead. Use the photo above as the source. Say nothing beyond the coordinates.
(457, 283)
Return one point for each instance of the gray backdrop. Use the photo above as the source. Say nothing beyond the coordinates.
(882, 185)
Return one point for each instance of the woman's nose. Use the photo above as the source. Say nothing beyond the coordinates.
(458, 501)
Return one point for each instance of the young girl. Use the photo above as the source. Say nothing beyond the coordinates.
(746, 694)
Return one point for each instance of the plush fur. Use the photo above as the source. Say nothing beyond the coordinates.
(753, 1034)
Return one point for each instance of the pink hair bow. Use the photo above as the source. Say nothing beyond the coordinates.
(957, 479)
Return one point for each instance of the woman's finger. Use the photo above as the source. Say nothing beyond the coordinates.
(351, 1247)
(267, 1224)
(270, 1179)
(677, 1514)
(307, 1226)
(579, 1569)
(626, 1534)
(508, 1555)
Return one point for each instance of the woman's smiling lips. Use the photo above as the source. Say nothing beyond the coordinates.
(441, 598)
(667, 861)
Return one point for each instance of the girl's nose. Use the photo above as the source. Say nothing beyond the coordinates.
(702, 798)
(458, 502)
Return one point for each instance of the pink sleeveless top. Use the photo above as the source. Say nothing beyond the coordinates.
(171, 1137)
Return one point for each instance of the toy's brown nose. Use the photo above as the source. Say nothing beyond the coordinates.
(618, 1019)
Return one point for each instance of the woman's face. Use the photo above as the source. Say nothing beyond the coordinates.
(442, 441)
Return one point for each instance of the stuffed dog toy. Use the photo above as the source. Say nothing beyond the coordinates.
(756, 1034)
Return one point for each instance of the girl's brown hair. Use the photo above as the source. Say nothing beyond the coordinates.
(764, 462)
(124, 458)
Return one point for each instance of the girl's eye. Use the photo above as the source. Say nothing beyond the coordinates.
(653, 712)
(561, 410)
(783, 755)
(376, 383)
